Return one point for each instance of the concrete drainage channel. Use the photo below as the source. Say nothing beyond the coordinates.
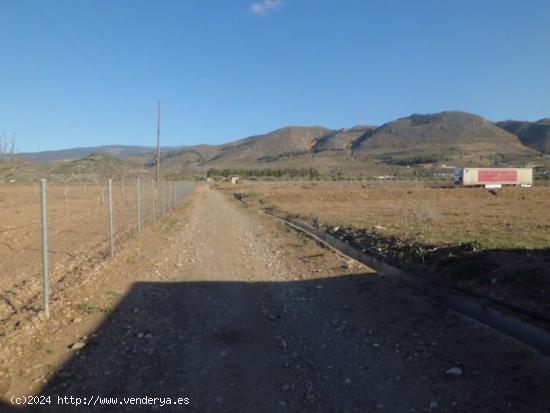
(513, 324)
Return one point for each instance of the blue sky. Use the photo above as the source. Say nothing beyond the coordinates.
(86, 73)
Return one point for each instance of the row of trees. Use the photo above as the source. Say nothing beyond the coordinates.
(418, 160)
(308, 173)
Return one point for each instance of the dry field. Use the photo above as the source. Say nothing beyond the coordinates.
(508, 218)
(78, 238)
(496, 243)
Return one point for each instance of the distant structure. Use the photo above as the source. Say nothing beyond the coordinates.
(235, 180)
(494, 177)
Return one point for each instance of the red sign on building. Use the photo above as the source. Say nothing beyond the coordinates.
(497, 176)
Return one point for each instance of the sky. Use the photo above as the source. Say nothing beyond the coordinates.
(87, 73)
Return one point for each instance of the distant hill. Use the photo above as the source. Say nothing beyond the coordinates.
(189, 156)
(459, 137)
(282, 143)
(535, 135)
(256, 151)
(18, 170)
(120, 151)
(96, 164)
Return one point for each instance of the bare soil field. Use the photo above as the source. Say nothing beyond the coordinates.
(494, 242)
(78, 239)
(508, 218)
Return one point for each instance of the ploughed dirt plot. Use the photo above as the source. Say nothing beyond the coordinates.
(493, 242)
(78, 239)
(231, 309)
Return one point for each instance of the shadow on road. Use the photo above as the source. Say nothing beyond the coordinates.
(346, 343)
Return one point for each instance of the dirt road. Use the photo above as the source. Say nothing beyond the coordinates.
(237, 313)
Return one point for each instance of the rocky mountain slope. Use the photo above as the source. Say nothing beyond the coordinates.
(455, 136)
(535, 135)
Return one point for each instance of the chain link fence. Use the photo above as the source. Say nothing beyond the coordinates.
(52, 235)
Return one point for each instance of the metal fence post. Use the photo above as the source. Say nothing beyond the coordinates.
(44, 211)
(153, 198)
(66, 195)
(111, 231)
(169, 197)
(163, 201)
(138, 200)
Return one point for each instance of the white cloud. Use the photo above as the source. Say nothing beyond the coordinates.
(262, 8)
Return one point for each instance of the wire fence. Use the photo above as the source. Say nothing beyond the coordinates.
(52, 235)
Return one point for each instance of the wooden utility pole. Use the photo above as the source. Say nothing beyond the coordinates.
(158, 147)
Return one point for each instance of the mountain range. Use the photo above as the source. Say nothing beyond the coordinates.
(119, 151)
(453, 138)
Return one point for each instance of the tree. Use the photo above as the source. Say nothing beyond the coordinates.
(7, 147)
